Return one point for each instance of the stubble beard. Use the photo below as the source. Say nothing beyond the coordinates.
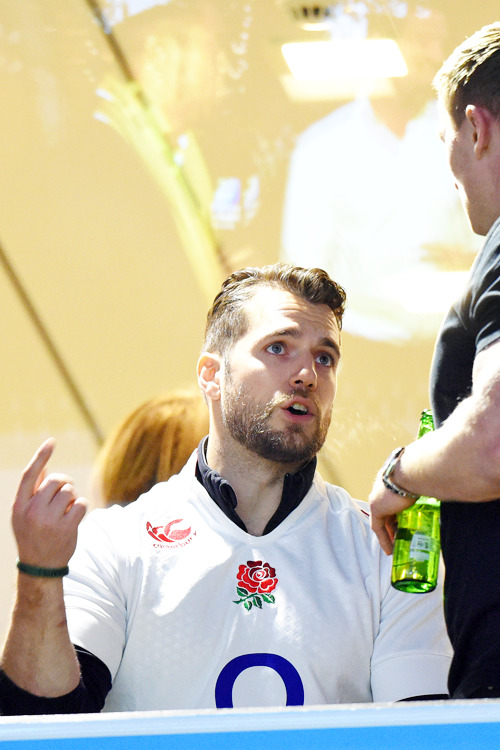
(247, 422)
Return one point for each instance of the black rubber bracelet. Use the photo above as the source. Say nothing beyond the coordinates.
(34, 570)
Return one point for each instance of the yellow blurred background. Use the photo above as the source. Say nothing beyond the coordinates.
(150, 147)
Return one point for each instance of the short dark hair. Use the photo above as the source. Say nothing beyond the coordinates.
(471, 75)
(227, 320)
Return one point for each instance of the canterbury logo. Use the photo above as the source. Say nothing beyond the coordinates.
(168, 534)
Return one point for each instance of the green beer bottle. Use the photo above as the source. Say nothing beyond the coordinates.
(415, 560)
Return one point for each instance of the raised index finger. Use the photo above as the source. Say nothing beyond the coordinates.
(33, 473)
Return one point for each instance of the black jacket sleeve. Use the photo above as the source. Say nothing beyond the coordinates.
(87, 697)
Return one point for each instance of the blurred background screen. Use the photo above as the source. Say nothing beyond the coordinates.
(150, 147)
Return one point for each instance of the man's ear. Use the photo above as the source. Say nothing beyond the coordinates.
(480, 120)
(209, 366)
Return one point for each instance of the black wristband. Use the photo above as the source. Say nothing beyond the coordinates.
(34, 570)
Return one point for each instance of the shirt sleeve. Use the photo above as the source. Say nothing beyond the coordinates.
(96, 609)
(412, 652)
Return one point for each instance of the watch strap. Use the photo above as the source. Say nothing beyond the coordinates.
(387, 472)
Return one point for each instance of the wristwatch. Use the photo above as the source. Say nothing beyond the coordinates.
(387, 471)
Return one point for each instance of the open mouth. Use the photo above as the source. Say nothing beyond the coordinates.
(298, 409)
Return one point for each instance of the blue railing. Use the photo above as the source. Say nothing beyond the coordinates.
(433, 725)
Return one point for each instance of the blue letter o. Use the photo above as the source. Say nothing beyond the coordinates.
(286, 670)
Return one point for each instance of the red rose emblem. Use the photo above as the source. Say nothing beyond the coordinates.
(257, 577)
(256, 580)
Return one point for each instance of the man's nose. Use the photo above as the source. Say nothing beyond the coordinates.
(306, 375)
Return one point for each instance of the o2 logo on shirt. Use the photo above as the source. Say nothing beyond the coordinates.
(232, 670)
(168, 536)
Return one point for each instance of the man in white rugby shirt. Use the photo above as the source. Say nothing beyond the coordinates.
(243, 581)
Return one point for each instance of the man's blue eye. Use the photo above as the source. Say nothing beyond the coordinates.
(275, 348)
(324, 359)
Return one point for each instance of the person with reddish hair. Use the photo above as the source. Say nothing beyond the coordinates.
(150, 445)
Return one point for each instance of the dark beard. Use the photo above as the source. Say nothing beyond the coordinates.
(246, 422)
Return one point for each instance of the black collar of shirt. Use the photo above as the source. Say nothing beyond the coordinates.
(295, 488)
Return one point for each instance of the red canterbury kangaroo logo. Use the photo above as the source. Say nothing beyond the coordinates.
(166, 533)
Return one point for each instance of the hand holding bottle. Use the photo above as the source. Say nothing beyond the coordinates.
(417, 541)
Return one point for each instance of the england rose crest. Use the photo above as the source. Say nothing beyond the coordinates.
(256, 580)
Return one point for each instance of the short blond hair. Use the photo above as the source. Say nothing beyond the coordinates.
(150, 445)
